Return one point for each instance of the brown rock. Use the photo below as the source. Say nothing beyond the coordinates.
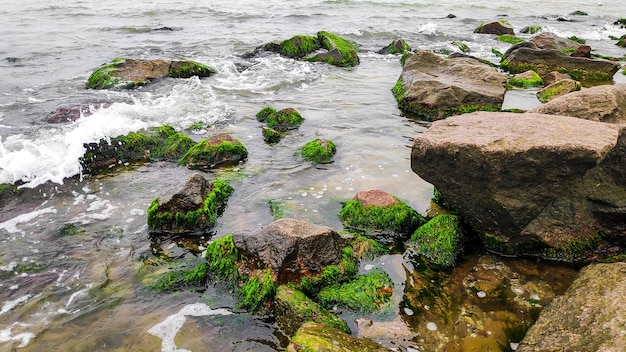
(496, 27)
(550, 41)
(582, 51)
(554, 76)
(557, 89)
(375, 198)
(74, 112)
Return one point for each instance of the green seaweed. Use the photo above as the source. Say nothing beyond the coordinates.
(188, 69)
(182, 279)
(509, 38)
(276, 207)
(299, 46)
(533, 81)
(393, 49)
(576, 39)
(462, 46)
(398, 218)
(102, 77)
(365, 294)
(223, 258)
(439, 240)
(255, 292)
(209, 155)
(262, 115)
(284, 120)
(271, 136)
(347, 49)
(545, 95)
(319, 151)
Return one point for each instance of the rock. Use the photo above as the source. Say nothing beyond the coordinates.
(218, 150)
(531, 184)
(291, 248)
(398, 46)
(191, 211)
(526, 79)
(558, 89)
(74, 112)
(341, 52)
(381, 216)
(271, 136)
(434, 87)
(497, 27)
(554, 76)
(124, 73)
(582, 51)
(388, 331)
(621, 41)
(293, 308)
(550, 41)
(440, 239)
(8, 192)
(531, 29)
(588, 317)
(284, 120)
(520, 58)
(162, 143)
(319, 151)
(296, 47)
(605, 103)
(316, 337)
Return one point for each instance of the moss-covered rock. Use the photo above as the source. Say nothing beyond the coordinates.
(271, 136)
(532, 29)
(380, 215)
(621, 41)
(299, 46)
(558, 89)
(439, 240)
(319, 151)
(215, 151)
(398, 46)
(284, 120)
(186, 68)
(195, 278)
(161, 143)
(526, 79)
(365, 293)
(341, 52)
(319, 337)
(293, 308)
(193, 210)
(462, 46)
(508, 38)
(262, 115)
(498, 27)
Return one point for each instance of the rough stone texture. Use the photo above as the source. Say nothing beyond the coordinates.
(606, 103)
(552, 42)
(209, 153)
(582, 51)
(558, 89)
(376, 198)
(554, 76)
(543, 61)
(397, 46)
(316, 337)
(432, 82)
(528, 178)
(291, 248)
(74, 112)
(496, 27)
(140, 70)
(590, 316)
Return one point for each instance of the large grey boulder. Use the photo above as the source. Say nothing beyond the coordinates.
(541, 185)
(590, 316)
(605, 103)
(435, 87)
(291, 248)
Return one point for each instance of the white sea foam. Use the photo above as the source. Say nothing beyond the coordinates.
(7, 335)
(9, 305)
(168, 328)
(11, 224)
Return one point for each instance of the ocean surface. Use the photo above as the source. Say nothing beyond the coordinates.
(85, 292)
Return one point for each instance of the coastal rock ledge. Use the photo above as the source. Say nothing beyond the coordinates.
(531, 184)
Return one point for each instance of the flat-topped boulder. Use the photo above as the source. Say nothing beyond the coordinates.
(588, 317)
(499, 27)
(435, 87)
(531, 184)
(292, 248)
(605, 103)
(551, 41)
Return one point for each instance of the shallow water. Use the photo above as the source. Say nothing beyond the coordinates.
(57, 284)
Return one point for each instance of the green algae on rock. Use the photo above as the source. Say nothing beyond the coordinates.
(186, 68)
(439, 240)
(284, 120)
(365, 293)
(558, 89)
(299, 46)
(320, 337)
(508, 38)
(262, 115)
(195, 278)
(526, 79)
(319, 151)
(398, 46)
(341, 52)
(214, 151)
(271, 136)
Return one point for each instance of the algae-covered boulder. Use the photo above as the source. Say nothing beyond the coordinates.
(215, 151)
(557, 89)
(296, 47)
(319, 337)
(439, 240)
(380, 216)
(341, 52)
(551, 41)
(292, 249)
(319, 151)
(191, 211)
(293, 308)
(398, 46)
(588, 317)
(122, 73)
(162, 143)
(364, 293)
(271, 136)
(284, 120)
(435, 87)
(526, 79)
(605, 103)
(496, 27)
(262, 115)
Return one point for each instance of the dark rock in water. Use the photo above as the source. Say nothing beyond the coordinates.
(74, 112)
(578, 13)
(621, 41)
(191, 211)
(531, 184)
(520, 59)
(551, 41)
(435, 87)
(497, 27)
(341, 52)
(291, 248)
(451, 16)
(129, 73)
(557, 89)
(215, 151)
(582, 51)
(531, 29)
(317, 337)
(588, 317)
(606, 103)
(398, 46)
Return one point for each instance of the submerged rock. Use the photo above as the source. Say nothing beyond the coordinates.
(124, 73)
(531, 184)
(317, 337)
(440, 239)
(398, 46)
(605, 103)
(435, 87)
(588, 317)
(74, 112)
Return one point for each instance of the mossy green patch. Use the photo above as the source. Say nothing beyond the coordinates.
(102, 77)
(533, 81)
(365, 294)
(545, 94)
(364, 248)
(276, 207)
(532, 29)
(262, 115)
(348, 50)
(187, 68)
(462, 46)
(256, 291)
(193, 220)
(206, 154)
(405, 57)
(271, 136)
(576, 39)
(397, 47)
(223, 258)
(509, 38)
(284, 120)
(195, 278)
(319, 151)
(398, 218)
(331, 274)
(299, 46)
(440, 239)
